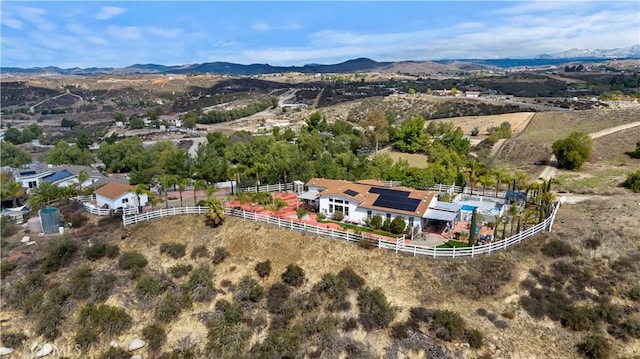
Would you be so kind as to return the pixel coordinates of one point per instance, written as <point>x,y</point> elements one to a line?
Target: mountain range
<point>355,65</point>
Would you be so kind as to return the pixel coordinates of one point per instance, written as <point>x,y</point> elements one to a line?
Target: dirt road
<point>550,171</point>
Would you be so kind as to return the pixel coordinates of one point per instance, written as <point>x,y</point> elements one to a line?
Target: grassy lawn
<point>453,244</point>
<point>576,182</point>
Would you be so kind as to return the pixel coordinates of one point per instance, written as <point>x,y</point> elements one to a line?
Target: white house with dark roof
<point>66,175</point>
<point>364,199</point>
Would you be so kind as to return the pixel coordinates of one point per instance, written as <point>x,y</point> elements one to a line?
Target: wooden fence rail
<point>397,245</point>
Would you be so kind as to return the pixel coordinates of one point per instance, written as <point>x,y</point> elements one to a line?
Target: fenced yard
<point>399,245</point>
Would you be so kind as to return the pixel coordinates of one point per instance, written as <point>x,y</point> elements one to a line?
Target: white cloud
<point>170,33</point>
<point>124,32</point>
<point>107,12</point>
<point>35,16</point>
<point>76,28</point>
<point>264,26</point>
<point>6,19</point>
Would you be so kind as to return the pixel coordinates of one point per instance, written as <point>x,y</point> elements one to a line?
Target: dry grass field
<point>414,159</point>
<point>518,121</point>
<point>548,127</point>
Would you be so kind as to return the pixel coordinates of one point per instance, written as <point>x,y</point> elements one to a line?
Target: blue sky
<point>118,34</point>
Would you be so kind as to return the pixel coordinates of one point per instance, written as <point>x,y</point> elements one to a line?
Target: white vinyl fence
<point>397,245</point>
<point>280,187</point>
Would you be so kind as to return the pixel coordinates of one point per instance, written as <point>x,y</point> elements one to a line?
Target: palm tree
<point>198,185</point>
<point>182,185</point>
<point>522,179</point>
<point>154,200</point>
<point>166,181</point>
<point>215,211</point>
<point>514,212</point>
<point>83,176</point>
<point>14,190</point>
<point>500,175</point>
<point>527,216</point>
<point>139,191</point>
<point>485,181</point>
<point>258,169</point>
<point>44,194</point>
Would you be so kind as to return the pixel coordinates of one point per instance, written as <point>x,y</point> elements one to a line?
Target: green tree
<point>83,176</point>
<point>198,185</point>
<point>411,136</point>
<point>572,151</point>
<point>166,181</point>
<point>12,156</point>
<point>472,227</point>
<point>83,141</point>
<point>63,153</point>
<point>119,117</point>
<point>190,119</point>
<point>135,122</point>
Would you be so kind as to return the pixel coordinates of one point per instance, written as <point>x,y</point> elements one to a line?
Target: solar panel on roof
<point>394,199</point>
<point>350,192</point>
<point>27,173</point>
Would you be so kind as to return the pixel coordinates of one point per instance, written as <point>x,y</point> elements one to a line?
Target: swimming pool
<point>469,208</point>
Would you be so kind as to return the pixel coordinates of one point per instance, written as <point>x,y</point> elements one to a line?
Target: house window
<point>388,216</point>
<point>125,200</point>
<point>346,211</point>
<point>369,214</point>
<point>410,222</point>
<point>33,184</point>
<point>330,199</point>
<point>339,201</point>
<point>330,208</point>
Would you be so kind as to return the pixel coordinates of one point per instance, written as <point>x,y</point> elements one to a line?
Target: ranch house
<point>361,200</point>
<point>115,195</point>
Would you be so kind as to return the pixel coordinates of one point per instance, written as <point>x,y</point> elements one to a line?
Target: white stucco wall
<point>117,202</point>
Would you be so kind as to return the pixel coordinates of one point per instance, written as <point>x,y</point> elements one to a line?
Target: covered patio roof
<point>440,215</point>
<point>310,196</point>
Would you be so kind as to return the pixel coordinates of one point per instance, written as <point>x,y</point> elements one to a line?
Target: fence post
<point>454,251</point>
<point>472,250</point>
<point>174,211</point>
<point>332,233</point>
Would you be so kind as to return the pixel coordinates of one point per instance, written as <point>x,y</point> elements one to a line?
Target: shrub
<point>633,293</point>
<point>510,314</point>
<point>277,294</point>
<point>155,335</point>
<point>6,267</point>
<point>148,285</point>
<point>115,353</point>
<point>263,268</point>
<point>77,219</point>
<point>173,249</point>
<point>226,340</point>
<point>102,287</point>
<point>474,338</point>
<point>199,252</point>
<point>594,346</point>
<point>168,309</point>
<point>349,324</point>
<point>100,250</point>
<point>332,286</point>
<point>293,275</point>
<point>132,261</point>
<point>81,283</point>
<point>59,254</point>
<point>501,324</point>
<point>481,312</point>
<point>400,331</point>
<point>106,319</point>
<point>376,221</point>
<point>7,227</point>
<point>249,290</point>
<point>337,216</point>
<point>180,270</point>
<point>49,320</point>
<point>219,255</point>
<point>27,293</point>
<point>351,278</point>
<point>13,339</point>
<point>398,225</point>
<point>200,284</point>
<point>85,337</point>
<point>492,317</point>
<point>557,248</point>
<point>448,325</point>
<point>375,310</point>
<point>633,181</point>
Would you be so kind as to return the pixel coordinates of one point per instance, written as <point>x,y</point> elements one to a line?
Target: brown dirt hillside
<point>459,286</point>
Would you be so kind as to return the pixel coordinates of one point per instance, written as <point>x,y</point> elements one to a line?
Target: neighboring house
<point>472,94</point>
<point>65,175</point>
<point>442,93</point>
<point>362,200</point>
<point>118,195</point>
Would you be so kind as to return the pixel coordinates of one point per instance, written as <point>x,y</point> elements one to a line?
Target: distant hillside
<point>631,52</point>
